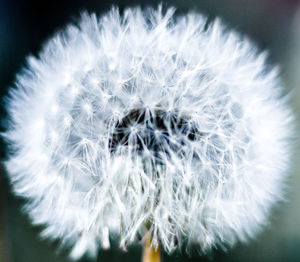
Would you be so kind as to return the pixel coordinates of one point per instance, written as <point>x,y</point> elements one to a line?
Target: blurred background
<point>273,24</point>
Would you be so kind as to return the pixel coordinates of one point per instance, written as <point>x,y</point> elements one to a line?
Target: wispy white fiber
<point>146,123</point>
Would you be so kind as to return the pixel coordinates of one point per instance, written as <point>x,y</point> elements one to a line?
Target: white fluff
<point>142,122</point>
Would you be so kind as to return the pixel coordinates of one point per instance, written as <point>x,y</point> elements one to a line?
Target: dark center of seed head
<point>155,130</point>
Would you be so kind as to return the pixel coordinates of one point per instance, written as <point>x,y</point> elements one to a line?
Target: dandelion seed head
<point>146,123</point>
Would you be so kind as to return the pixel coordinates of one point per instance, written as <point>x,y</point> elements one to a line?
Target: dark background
<point>273,24</point>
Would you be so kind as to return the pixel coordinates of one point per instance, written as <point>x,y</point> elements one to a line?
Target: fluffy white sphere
<point>145,123</point>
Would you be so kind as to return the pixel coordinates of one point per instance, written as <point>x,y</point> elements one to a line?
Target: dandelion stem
<point>151,253</point>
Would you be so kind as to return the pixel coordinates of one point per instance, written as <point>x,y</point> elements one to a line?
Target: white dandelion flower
<point>145,123</point>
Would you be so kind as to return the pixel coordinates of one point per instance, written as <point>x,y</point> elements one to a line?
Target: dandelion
<point>143,127</point>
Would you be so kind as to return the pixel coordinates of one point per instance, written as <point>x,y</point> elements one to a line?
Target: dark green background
<point>273,24</point>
